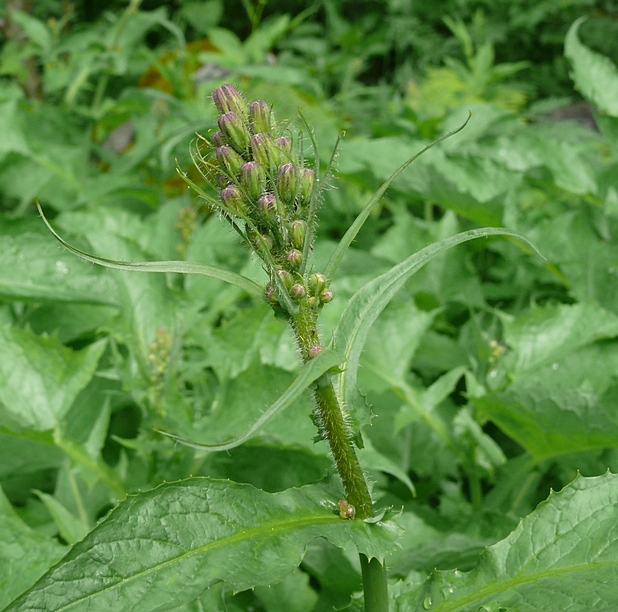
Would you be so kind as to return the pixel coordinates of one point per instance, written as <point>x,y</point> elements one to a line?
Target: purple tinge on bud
<point>267,205</point>
<point>233,199</point>
<point>229,160</point>
<point>297,291</point>
<point>253,179</point>
<point>222,180</point>
<point>227,98</point>
<point>326,296</point>
<point>271,294</point>
<point>284,146</point>
<point>218,139</point>
<point>262,119</point>
<point>306,179</point>
<point>314,351</point>
<point>298,231</point>
<point>286,278</point>
<point>294,258</point>
<point>287,183</point>
<point>261,146</point>
<point>235,131</point>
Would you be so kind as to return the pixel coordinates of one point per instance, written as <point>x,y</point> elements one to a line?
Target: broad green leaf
<point>25,555</point>
<point>40,378</point>
<point>548,422</point>
<point>164,547</point>
<point>33,268</point>
<point>547,334</point>
<point>367,304</point>
<point>308,374</point>
<point>180,267</point>
<point>595,75</point>
<point>70,528</point>
<point>563,556</point>
<point>27,451</point>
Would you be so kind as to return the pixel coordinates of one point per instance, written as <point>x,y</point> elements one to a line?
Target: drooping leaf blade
<point>179,267</point>
<point>164,547</point>
<point>308,374</point>
<point>563,555</point>
<point>368,302</point>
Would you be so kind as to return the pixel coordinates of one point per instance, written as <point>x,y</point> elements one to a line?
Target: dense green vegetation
<point>481,391</point>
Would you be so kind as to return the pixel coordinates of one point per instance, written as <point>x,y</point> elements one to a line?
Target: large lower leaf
<point>366,305</point>
<point>563,556</point>
<point>163,548</point>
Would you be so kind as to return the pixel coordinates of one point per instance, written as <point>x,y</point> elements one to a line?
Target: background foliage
<point>492,374</point>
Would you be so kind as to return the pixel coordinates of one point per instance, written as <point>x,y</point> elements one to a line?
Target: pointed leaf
<point>563,556</point>
<point>309,373</point>
<point>164,547</point>
<point>366,305</point>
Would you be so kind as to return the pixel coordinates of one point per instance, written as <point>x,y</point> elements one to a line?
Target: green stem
<point>374,585</point>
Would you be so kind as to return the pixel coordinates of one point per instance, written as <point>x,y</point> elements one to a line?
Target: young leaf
<point>164,547</point>
<point>368,302</point>
<point>563,556</point>
<point>309,373</point>
<point>180,267</point>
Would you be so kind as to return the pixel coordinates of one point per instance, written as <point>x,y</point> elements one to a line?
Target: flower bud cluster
<point>266,192</point>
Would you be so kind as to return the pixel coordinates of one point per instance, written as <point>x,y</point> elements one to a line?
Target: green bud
<point>306,179</point>
<point>261,146</point>
<point>316,283</point>
<point>229,160</point>
<point>235,131</point>
<point>227,98</point>
<point>233,199</point>
<point>218,139</point>
<point>326,296</point>
<point>297,291</point>
<point>287,183</point>
<point>267,205</point>
<point>294,258</point>
<point>262,118</point>
<point>260,242</point>
<point>286,278</point>
<point>271,295</point>
<point>284,149</point>
<point>253,179</point>
<point>298,231</point>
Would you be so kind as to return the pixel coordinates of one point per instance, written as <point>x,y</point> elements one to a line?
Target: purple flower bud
<point>286,278</point>
<point>222,180</point>
<point>229,160</point>
<point>298,231</point>
<point>261,146</point>
<point>314,351</point>
<point>218,139</point>
<point>235,131</point>
<point>267,205</point>
<point>233,199</point>
<point>316,283</point>
<point>294,258</point>
<point>306,179</point>
<point>284,145</point>
<point>297,291</point>
<point>271,294</point>
<point>227,98</point>
<point>253,179</point>
<point>262,119</point>
<point>326,296</point>
<point>287,183</point>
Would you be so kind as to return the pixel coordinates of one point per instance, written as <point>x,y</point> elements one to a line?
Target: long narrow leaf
<point>370,300</point>
<point>353,230</point>
<point>310,372</point>
<point>180,267</point>
<point>161,549</point>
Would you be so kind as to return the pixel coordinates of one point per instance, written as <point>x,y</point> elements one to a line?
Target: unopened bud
<point>298,231</point>
<point>297,291</point>
<point>233,199</point>
<point>284,149</point>
<point>316,283</point>
<point>253,179</point>
<point>326,296</point>
<point>227,98</point>
<point>235,131</point>
<point>271,294</point>
<point>287,182</point>
<point>314,351</point>
<point>306,180</point>
<point>286,278</point>
<point>229,160</point>
<point>262,119</point>
<point>261,146</point>
<point>294,258</point>
<point>267,205</point>
<point>218,139</point>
